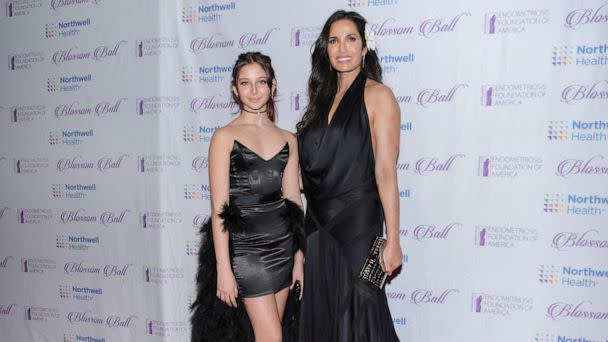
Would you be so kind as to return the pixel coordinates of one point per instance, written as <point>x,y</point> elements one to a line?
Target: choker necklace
<point>256,113</point>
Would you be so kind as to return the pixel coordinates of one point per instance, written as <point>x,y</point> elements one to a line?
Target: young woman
<point>256,218</point>
<point>348,144</point>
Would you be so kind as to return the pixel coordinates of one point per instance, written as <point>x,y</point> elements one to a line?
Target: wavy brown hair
<point>323,80</point>
<point>266,63</point>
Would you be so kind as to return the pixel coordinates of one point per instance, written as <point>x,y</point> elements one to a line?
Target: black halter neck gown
<point>343,216</point>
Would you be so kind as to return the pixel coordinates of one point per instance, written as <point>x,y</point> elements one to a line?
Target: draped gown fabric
<point>343,216</point>
<point>265,232</point>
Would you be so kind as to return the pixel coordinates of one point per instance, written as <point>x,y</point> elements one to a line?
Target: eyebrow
<point>349,34</point>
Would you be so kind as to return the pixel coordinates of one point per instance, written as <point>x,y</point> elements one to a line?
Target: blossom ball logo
<point>582,310</point>
<point>4,262</point>
<point>203,104</point>
<point>57,4</point>
<point>200,163</point>
<point>588,239</point>
<point>580,93</point>
<point>558,130</point>
<point>432,165</point>
<point>426,296</point>
<point>548,274</point>
<point>431,232</point>
<point>553,203</point>
<point>250,40</point>
<point>201,44</point>
<point>7,310</point>
<point>587,16</point>
<point>432,96</point>
<point>562,56</point>
<point>582,167</point>
<point>199,220</point>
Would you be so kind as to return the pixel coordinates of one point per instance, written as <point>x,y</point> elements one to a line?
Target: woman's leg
<point>281,300</point>
<point>264,316</point>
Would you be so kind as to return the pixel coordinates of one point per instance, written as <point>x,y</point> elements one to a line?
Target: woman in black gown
<point>250,255</point>
<point>348,142</point>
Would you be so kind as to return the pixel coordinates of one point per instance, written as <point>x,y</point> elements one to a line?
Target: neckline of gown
<point>286,145</point>
<point>358,78</point>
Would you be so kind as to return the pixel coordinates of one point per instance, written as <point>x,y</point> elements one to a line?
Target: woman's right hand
<point>227,290</point>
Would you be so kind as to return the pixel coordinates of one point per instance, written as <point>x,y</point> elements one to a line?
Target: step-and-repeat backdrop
<point>108,107</point>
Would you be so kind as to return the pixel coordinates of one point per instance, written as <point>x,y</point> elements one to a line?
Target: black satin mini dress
<point>261,237</point>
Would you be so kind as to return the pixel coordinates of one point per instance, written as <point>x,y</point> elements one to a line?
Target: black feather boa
<point>214,321</point>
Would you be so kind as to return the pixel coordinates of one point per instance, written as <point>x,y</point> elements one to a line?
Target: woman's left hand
<point>297,274</point>
<point>392,257</point>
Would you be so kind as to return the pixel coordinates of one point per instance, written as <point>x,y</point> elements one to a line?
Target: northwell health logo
<point>577,130</point>
<point>575,204</point>
<point>571,276</point>
<point>581,55</point>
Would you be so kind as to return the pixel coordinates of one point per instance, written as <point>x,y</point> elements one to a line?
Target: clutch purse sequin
<point>372,272</point>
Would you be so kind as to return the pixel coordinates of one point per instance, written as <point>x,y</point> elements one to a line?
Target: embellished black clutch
<point>372,272</point>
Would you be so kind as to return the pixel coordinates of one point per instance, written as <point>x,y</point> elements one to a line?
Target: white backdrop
<point>107,108</point>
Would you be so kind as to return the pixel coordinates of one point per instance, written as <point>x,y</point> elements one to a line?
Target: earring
<point>363,62</point>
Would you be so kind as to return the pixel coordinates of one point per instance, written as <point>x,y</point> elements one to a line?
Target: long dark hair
<point>323,80</point>
<point>265,62</point>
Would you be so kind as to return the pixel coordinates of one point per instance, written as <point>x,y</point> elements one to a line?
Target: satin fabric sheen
<point>262,253</point>
<point>343,216</point>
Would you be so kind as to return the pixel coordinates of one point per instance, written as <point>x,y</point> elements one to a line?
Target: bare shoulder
<point>223,137</point>
<point>289,136</point>
<point>378,92</point>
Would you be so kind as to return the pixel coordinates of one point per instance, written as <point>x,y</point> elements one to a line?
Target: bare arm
<point>291,191</point>
<point>219,181</point>
<point>291,175</point>
<point>386,119</point>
